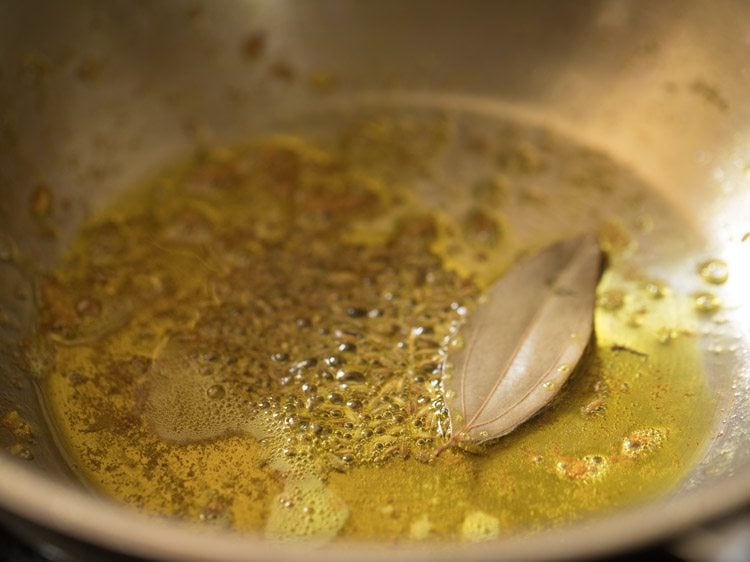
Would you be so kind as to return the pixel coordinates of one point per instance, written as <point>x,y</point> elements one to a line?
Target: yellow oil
<point>254,339</point>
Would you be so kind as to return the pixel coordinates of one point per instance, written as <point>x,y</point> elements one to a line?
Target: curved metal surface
<point>95,95</point>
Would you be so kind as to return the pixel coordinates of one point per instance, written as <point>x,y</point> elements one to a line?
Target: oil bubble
<point>347,347</point>
<point>704,301</point>
<point>667,335</point>
<point>714,271</point>
<point>335,398</point>
<point>656,289</point>
<point>216,392</point>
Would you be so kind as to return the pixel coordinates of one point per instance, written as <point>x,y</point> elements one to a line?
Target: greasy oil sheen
<point>256,339</point>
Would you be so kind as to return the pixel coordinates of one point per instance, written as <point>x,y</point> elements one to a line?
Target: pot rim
<point>98,521</point>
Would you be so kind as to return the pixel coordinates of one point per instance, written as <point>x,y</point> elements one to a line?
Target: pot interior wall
<point>94,96</point>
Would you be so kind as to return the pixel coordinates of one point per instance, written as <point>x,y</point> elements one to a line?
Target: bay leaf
<point>523,341</point>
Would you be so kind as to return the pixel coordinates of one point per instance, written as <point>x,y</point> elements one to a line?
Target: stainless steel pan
<point>93,95</point>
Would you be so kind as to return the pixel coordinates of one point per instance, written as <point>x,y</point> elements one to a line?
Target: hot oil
<point>257,338</point>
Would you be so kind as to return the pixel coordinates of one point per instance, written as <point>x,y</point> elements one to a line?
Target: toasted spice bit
<point>41,201</point>
<point>482,226</point>
<point>322,81</point>
<point>88,70</point>
<point>254,45</point>
<point>282,71</point>
<point>217,511</point>
<point>583,469</point>
<point>21,451</point>
<point>8,248</point>
<point>643,442</point>
<point>593,408</point>
<point>13,422</point>
<point>88,307</point>
<point>522,158</point>
<point>709,93</point>
<point>478,144</point>
<point>614,299</point>
<point>615,238</point>
<point>492,191</point>
<point>36,65</point>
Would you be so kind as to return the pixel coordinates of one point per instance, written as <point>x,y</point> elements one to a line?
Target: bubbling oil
<point>257,338</point>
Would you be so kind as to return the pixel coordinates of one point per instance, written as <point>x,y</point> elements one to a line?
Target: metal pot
<point>94,95</point>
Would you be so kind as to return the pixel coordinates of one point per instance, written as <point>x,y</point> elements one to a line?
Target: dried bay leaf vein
<point>524,340</point>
